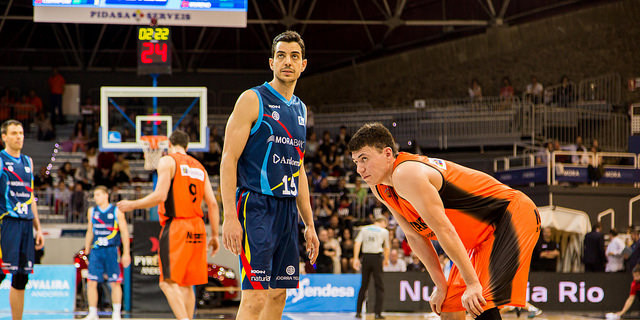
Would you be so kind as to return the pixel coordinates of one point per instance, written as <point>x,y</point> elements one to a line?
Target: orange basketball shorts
<point>501,261</point>
<point>183,251</point>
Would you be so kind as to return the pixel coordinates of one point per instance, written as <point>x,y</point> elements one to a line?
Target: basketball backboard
<point>128,113</point>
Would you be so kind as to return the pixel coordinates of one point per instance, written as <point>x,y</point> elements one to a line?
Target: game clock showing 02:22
<point>154,53</point>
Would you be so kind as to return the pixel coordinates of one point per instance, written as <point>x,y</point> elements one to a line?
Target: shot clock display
<point>154,50</point>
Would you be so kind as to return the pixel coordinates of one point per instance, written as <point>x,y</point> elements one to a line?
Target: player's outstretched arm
<point>244,115</point>
<point>627,305</point>
<point>213,213</point>
<point>166,166</point>
<point>413,182</point>
<point>303,201</point>
<point>124,235</point>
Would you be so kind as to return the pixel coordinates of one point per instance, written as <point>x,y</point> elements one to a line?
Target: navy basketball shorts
<point>17,245</point>
<point>103,265</point>
<point>269,258</point>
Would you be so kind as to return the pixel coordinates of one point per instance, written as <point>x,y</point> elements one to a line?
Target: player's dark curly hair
<point>287,36</point>
<point>372,134</point>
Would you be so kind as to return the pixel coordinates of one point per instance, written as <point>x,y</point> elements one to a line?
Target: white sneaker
<point>534,312</point>
<point>91,317</point>
<point>115,316</point>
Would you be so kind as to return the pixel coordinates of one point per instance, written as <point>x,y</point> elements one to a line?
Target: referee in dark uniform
<point>374,242</point>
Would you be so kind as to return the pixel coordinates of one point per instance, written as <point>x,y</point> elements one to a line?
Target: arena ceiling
<point>336,32</point>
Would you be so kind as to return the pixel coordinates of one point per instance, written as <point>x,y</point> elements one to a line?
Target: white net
<point>154,147</point>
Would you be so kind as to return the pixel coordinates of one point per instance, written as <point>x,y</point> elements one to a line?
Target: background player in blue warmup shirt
<point>264,184</point>
<point>18,214</point>
<point>107,225</point>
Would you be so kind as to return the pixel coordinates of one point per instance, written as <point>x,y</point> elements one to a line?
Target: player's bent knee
<point>491,314</point>
<point>19,281</point>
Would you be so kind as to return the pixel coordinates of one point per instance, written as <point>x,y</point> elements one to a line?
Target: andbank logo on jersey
<point>316,291</point>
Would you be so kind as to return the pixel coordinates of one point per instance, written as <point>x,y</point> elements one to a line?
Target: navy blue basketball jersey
<point>16,186</point>
<point>270,162</point>
<point>105,227</point>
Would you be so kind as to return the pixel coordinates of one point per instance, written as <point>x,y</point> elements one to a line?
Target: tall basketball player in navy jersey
<point>263,184</point>
<point>18,214</point>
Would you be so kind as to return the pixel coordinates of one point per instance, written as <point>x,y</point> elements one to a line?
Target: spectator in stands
<point>79,137</point>
<point>546,253</point>
<point>564,96</point>
<point>534,90</point>
<point>65,174</point>
<point>92,156</point>
<point>593,256</point>
<point>35,101</point>
<point>61,198</point>
<point>335,224</point>
<point>580,155</point>
<point>345,210</point>
<point>120,171</point>
<point>324,209</point>
<point>475,90</point>
<point>340,187</point>
<point>396,264</point>
<point>342,139</point>
<point>78,201</point>
<point>615,258</point>
<point>212,158</point>
<point>326,142</point>
<point>506,92</point>
<point>415,265</point>
<point>45,128</point>
<point>337,250</point>
<point>43,179</point>
<point>84,175</point>
<point>105,161</point>
<point>542,158</point>
<point>324,262</point>
<point>311,148</point>
<point>595,146</point>
<point>332,161</point>
<point>92,139</point>
<point>360,193</point>
<point>323,186</point>
<point>634,257</point>
<point>346,245</point>
<point>56,89</point>
<point>102,177</point>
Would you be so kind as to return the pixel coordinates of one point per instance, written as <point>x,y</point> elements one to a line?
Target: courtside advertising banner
<point>410,291</point>
<point>324,292</point>
<point>145,271</point>
<point>50,288</point>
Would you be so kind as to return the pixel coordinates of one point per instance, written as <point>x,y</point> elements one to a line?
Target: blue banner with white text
<point>50,288</point>
<point>324,292</point>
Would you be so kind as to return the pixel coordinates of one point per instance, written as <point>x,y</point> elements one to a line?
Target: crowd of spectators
<point>561,95</point>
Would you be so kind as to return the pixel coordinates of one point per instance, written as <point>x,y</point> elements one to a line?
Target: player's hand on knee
<point>437,298</point>
<point>213,245</point>
<point>232,235</point>
<point>472,299</point>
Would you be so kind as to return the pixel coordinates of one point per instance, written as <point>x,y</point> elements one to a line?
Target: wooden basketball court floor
<point>310,316</point>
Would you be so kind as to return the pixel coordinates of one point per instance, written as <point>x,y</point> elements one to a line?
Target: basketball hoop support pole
<point>154,78</point>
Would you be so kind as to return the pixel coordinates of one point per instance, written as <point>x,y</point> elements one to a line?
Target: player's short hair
<point>179,138</point>
<point>101,188</point>
<point>10,122</point>
<point>372,134</point>
<point>287,36</point>
<point>636,269</point>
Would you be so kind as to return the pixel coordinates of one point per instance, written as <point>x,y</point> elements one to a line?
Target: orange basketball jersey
<point>473,200</point>
<point>187,189</point>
